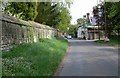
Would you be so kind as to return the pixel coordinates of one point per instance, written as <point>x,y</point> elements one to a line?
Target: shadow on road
<point>76,42</point>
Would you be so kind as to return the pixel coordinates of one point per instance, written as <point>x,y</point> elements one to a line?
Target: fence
<point>16,31</point>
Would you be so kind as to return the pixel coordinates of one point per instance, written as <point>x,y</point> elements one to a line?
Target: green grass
<point>111,42</point>
<point>34,59</point>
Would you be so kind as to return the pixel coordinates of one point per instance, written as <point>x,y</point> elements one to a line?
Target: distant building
<point>82,32</point>
<point>89,30</point>
<point>93,21</point>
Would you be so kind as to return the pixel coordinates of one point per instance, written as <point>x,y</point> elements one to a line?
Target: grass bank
<point>111,42</point>
<point>34,59</point>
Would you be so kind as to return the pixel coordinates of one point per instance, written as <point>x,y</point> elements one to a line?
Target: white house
<point>82,32</point>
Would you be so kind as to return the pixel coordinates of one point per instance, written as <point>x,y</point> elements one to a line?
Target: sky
<point>80,8</point>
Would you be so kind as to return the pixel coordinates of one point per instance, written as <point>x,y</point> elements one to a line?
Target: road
<point>86,58</point>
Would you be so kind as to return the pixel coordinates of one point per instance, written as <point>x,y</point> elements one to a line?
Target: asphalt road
<point>86,58</point>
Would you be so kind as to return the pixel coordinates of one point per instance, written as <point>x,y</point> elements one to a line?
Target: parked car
<point>69,37</point>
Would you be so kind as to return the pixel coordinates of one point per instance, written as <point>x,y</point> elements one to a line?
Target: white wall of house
<point>79,33</point>
<point>82,32</point>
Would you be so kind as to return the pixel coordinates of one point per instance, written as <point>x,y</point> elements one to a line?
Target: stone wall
<point>16,31</point>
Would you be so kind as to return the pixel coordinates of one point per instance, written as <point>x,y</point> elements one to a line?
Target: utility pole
<point>99,7</point>
<point>98,19</point>
<point>105,21</point>
<point>99,16</point>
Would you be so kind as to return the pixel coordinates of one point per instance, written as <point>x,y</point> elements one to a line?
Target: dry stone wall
<point>16,31</point>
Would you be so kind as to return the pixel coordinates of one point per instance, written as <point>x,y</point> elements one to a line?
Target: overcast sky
<point>80,8</point>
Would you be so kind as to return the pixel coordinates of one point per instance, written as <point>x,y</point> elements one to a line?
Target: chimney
<point>88,18</point>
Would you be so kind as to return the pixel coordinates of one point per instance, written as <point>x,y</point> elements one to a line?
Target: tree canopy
<point>23,10</point>
<point>72,30</point>
<point>65,18</point>
<point>81,21</point>
<point>51,13</point>
<point>47,13</point>
<point>112,17</point>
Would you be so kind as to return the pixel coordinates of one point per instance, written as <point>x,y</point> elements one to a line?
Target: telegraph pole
<point>105,20</point>
<point>99,16</point>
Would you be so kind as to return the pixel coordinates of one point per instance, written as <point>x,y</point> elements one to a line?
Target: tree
<point>69,2</point>
<point>48,13</point>
<point>23,10</point>
<point>73,30</point>
<point>64,19</point>
<point>112,11</point>
<point>54,14</point>
<point>115,14</point>
<point>81,21</point>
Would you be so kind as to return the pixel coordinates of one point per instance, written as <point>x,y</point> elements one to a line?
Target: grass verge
<point>34,59</point>
<point>111,42</point>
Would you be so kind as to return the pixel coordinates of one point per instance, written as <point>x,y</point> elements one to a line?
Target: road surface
<point>86,58</point>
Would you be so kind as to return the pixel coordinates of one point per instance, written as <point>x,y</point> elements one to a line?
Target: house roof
<point>92,27</point>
